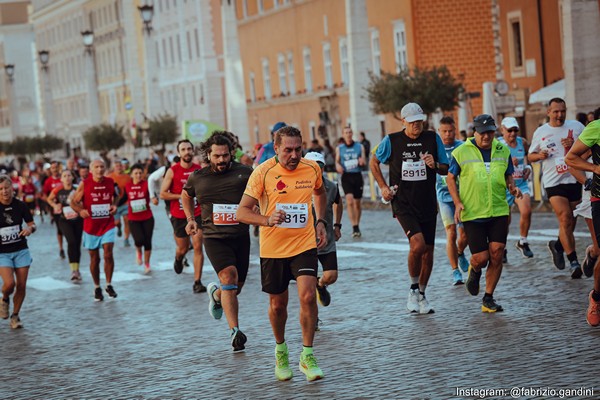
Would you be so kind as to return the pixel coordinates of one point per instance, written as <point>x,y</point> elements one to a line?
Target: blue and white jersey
<point>349,156</point>
<point>441,188</point>
<point>518,153</point>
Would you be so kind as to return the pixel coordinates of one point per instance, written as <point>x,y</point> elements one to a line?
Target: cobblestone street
<point>157,339</point>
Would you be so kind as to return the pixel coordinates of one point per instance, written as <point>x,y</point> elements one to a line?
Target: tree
<point>45,144</point>
<point>431,88</point>
<point>104,138</point>
<point>163,130</point>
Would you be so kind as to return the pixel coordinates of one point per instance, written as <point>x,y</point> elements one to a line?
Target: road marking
<point>378,246</point>
<point>348,253</point>
<point>47,283</point>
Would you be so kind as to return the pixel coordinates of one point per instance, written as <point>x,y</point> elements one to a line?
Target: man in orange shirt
<point>121,179</point>
<point>284,187</point>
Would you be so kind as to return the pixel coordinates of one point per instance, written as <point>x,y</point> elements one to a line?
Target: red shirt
<point>139,201</point>
<point>180,177</point>
<point>97,199</point>
<point>50,184</point>
<point>29,192</point>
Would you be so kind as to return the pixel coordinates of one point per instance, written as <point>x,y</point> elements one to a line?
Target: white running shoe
<point>413,300</point>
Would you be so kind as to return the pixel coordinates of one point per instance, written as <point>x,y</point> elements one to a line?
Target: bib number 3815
<point>296,214</point>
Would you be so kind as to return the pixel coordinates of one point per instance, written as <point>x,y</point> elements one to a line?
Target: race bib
<point>351,164</point>
<point>29,198</point>
<point>559,164</point>
<point>100,210</point>
<point>296,214</point>
<point>69,213</point>
<point>138,205</point>
<point>414,171</point>
<point>9,234</point>
<point>518,173</point>
<point>181,204</point>
<point>225,214</point>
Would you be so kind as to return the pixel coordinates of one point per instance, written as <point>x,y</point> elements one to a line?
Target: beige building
<point>19,100</point>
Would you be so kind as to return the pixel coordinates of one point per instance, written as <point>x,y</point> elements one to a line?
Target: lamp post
<point>9,69</point>
<point>147,13</point>
<point>44,56</point>
<point>90,72</point>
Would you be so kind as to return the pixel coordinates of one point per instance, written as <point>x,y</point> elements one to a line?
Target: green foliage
<point>104,137</point>
<point>23,146</point>
<point>163,130</point>
<point>430,88</point>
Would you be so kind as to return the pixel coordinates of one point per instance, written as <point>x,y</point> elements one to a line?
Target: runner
<point>52,181</point>
<point>15,258</point>
<point>550,144</point>
<point>328,255</point>
<point>29,190</point>
<point>70,223</point>
<point>95,201</point>
<point>121,178</point>
<point>284,187</point>
<point>576,158</point>
<point>414,157</point>
<point>455,246</point>
<point>141,220</point>
<point>485,168</point>
<point>349,160</point>
<point>518,151</point>
<point>170,190</point>
<point>218,189</point>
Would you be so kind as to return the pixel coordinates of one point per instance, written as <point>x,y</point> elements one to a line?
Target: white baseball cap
<point>315,156</point>
<point>510,122</point>
<point>412,112</point>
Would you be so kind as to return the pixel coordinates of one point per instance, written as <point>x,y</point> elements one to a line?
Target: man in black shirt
<point>219,189</point>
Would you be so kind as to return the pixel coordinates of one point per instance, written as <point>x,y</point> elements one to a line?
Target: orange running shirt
<point>121,180</point>
<point>274,186</point>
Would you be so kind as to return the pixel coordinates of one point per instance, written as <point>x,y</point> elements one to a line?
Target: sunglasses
<point>513,130</point>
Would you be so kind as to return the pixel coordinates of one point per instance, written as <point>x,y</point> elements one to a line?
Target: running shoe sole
<point>557,258</point>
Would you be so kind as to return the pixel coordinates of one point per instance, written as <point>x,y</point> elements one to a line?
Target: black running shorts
<point>224,253</point>
<point>179,225</point>
<point>276,273</point>
<point>481,234</point>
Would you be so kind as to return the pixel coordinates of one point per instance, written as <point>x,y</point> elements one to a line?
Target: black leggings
<point>142,232</point>
<point>72,230</point>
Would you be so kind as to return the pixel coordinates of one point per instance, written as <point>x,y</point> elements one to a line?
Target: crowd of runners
<point>214,193</point>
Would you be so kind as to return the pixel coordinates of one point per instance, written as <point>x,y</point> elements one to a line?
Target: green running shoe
<point>308,366</point>
<point>283,372</point>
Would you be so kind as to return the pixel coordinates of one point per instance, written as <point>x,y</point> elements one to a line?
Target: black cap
<point>484,123</point>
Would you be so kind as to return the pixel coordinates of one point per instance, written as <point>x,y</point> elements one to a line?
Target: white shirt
<point>548,138</point>
<point>154,181</point>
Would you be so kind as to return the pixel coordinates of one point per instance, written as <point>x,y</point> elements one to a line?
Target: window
<point>189,45</point>
<point>345,66</point>
<point>197,43</point>
<point>328,65</point>
<point>261,7</point>
<point>172,49</point>
<point>307,70</point>
<point>376,52</point>
<point>157,48</point>
<point>245,8</point>
<point>515,44</point>
<point>252,87</point>
<point>194,98</point>
<point>281,71</point>
<point>179,48</point>
<point>400,46</point>
<point>164,46</point>
<point>266,78</point>
<point>291,73</point>
<point>183,96</point>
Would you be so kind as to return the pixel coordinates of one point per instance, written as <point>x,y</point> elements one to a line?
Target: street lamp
<point>10,71</point>
<point>49,102</point>
<point>88,40</point>
<point>44,58</point>
<point>147,12</point>
<point>93,103</point>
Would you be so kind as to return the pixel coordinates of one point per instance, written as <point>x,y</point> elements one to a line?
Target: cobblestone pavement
<point>157,340</point>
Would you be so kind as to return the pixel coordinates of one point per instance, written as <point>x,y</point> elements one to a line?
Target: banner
<point>197,130</point>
